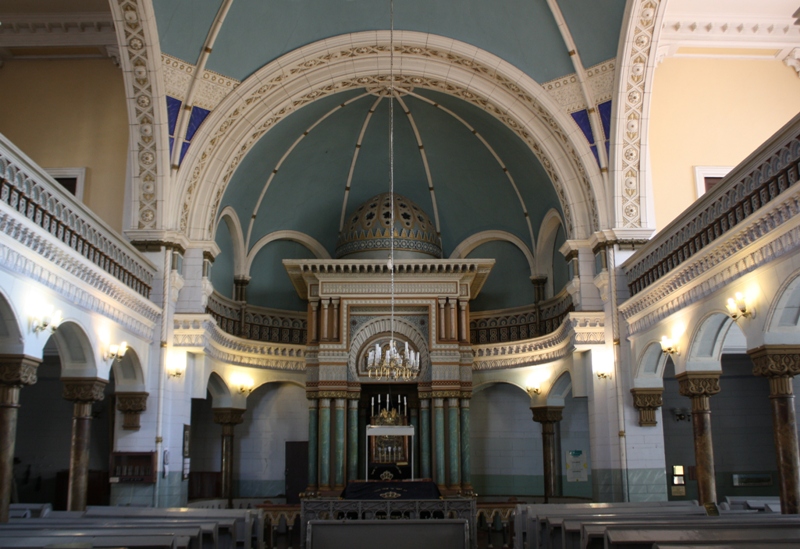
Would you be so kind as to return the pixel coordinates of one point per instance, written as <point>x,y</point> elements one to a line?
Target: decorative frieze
<point>647,401</point>
<point>212,87</point>
<point>83,389</point>
<point>131,405</point>
<point>18,370</point>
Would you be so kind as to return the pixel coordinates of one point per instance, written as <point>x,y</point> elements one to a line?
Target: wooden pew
<point>591,533</point>
<point>388,534</point>
<point>761,545</point>
<point>524,519</point>
<point>146,541</point>
<point>643,537</point>
<point>37,510</point>
<point>210,530</point>
<point>190,536</point>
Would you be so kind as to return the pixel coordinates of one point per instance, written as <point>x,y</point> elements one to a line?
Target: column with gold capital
<point>83,392</point>
<point>548,416</point>
<point>16,371</point>
<point>228,418</point>
<point>700,386</point>
<point>780,363</point>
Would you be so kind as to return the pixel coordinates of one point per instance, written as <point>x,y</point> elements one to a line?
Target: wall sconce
<point>737,307</point>
<point>603,375</point>
<point>176,371</point>
<point>50,319</point>
<point>244,384</point>
<point>535,390</point>
<point>116,352</point>
<point>681,414</point>
<point>669,346</point>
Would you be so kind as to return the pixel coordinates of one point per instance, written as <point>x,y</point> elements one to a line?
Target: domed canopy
<point>366,233</point>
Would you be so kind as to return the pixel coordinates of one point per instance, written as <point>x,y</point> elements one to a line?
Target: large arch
<point>363,59</point>
<point>11,339</point>
<point>381,326</point>
<point>75,350</point>
<point>469,244</point>
<point>312,244</point>
<point>128,374</point>
<point>241,263</point>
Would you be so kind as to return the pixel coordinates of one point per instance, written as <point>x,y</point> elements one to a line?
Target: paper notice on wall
<point>577,469</point>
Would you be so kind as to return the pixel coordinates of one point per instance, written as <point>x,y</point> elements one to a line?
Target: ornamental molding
<point>547,414</point>
<point>584,328</point>
<point>131,405</point>
<point>776,360</point>
<point>228,416</point>
<point>635,77</point>
<point>326,68</point>
<point>762,239</point>
<point>82,390</point>
<point>716,31</point>
<point>18,370</point>
<point>698,384</point>
<point>57,29</point>
<point>200,332</point>
<point>211,89</point>
<point>71,276</point>
<point>385,288</point>
<point>568,93</point>
<point>138,41</point>
<point>647,401</point>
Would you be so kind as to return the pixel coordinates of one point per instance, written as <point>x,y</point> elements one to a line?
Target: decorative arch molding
<point>630,126</point>
<point>545,244</point>
<point>312,244</point>
<point>708,338</point>
<point>11,340</point>
<point>128,373</point>
<point>220,392</point>
<point>75,350</point>
<point>784,311</point>
<point>383,325</point>
<point>137,36</point>
<point>363,59</point>
<point>651,366</point>
<point>469,244</point>
<point>241,264</point>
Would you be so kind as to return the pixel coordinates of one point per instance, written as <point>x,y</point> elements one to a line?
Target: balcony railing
<point>752,185</point>
<point>34,195</point>
<point>257,323</point>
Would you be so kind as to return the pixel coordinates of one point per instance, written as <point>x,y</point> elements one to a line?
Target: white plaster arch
<point>128,373</point>
<point>75,350</point>
<point>560,389</point>
<point>650,366</point>
<point>545,242</point>
<point>360,59</point>
<point>489,382</point>
<point>312,244</point>
<point>221,396</point>
<point>704,349</point>
<point>380,327</point>
<point>11,338</point>
<point>471,242</point>
<point>784,312</point>
<point>240,262</point>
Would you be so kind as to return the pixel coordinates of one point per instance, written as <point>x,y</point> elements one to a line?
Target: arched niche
<point>379,329</point>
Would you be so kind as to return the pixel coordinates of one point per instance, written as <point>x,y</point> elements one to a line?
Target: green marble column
<point>414,415</point>
<point>313,448</point>
<point>438,427</point>
<point>352,439</point>
<point>338,443</point>
<point>425,438</point>
<point>453,438</point>
<point>325,444</point>
<point>466,472</point>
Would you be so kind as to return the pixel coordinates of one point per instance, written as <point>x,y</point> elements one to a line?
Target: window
<point>705,177</point>
<point>70,178</point>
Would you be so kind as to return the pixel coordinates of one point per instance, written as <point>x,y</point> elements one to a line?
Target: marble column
<point>454,443</point>
<point>340,405</point>
<point>352,439</point>
<point>438,428</point>
<point>647,401</point>
<point>700,386</point>
<point>548,416</point>
<point>16,371</point>
<point>83,392</point>
<point>466,470</point>
<point>228,418</point>
<point>131,405</point>
<point>780,363</point>
<point>424,438</point>
<point>313,429</point>
<point>324,444</point>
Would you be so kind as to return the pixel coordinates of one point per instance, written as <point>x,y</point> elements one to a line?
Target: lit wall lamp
<point>669,346</point>
<point>244,384</point>
<point>176,370</point>
<point>535,390</point>
<point>737,307</point>
<point>116,352</point>
<point>603,375</point>
<point>50,319</point>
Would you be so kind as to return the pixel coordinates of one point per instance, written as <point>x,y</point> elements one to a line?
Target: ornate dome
<point>367,230</point>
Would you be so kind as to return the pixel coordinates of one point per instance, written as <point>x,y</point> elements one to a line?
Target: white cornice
<point>57,29</point>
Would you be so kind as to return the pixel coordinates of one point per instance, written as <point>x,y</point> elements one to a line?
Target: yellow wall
<point>712,112</point>
<point>68,114</point>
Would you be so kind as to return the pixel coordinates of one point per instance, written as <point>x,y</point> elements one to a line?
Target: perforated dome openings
<point>366,232</point>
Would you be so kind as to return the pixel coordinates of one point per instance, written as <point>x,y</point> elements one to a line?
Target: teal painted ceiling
<point>474,161</point>
<point>522,32</point>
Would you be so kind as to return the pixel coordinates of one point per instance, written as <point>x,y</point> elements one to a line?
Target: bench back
<point>388,534</point>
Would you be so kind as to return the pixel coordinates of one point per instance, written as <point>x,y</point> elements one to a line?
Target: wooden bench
<point>525,515</point>
<point>591,534</point>
<point>643,537</point>
<point>191,535</point>
<point>146,541</point>
<point>37,510</point>
<point>388,534</point>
